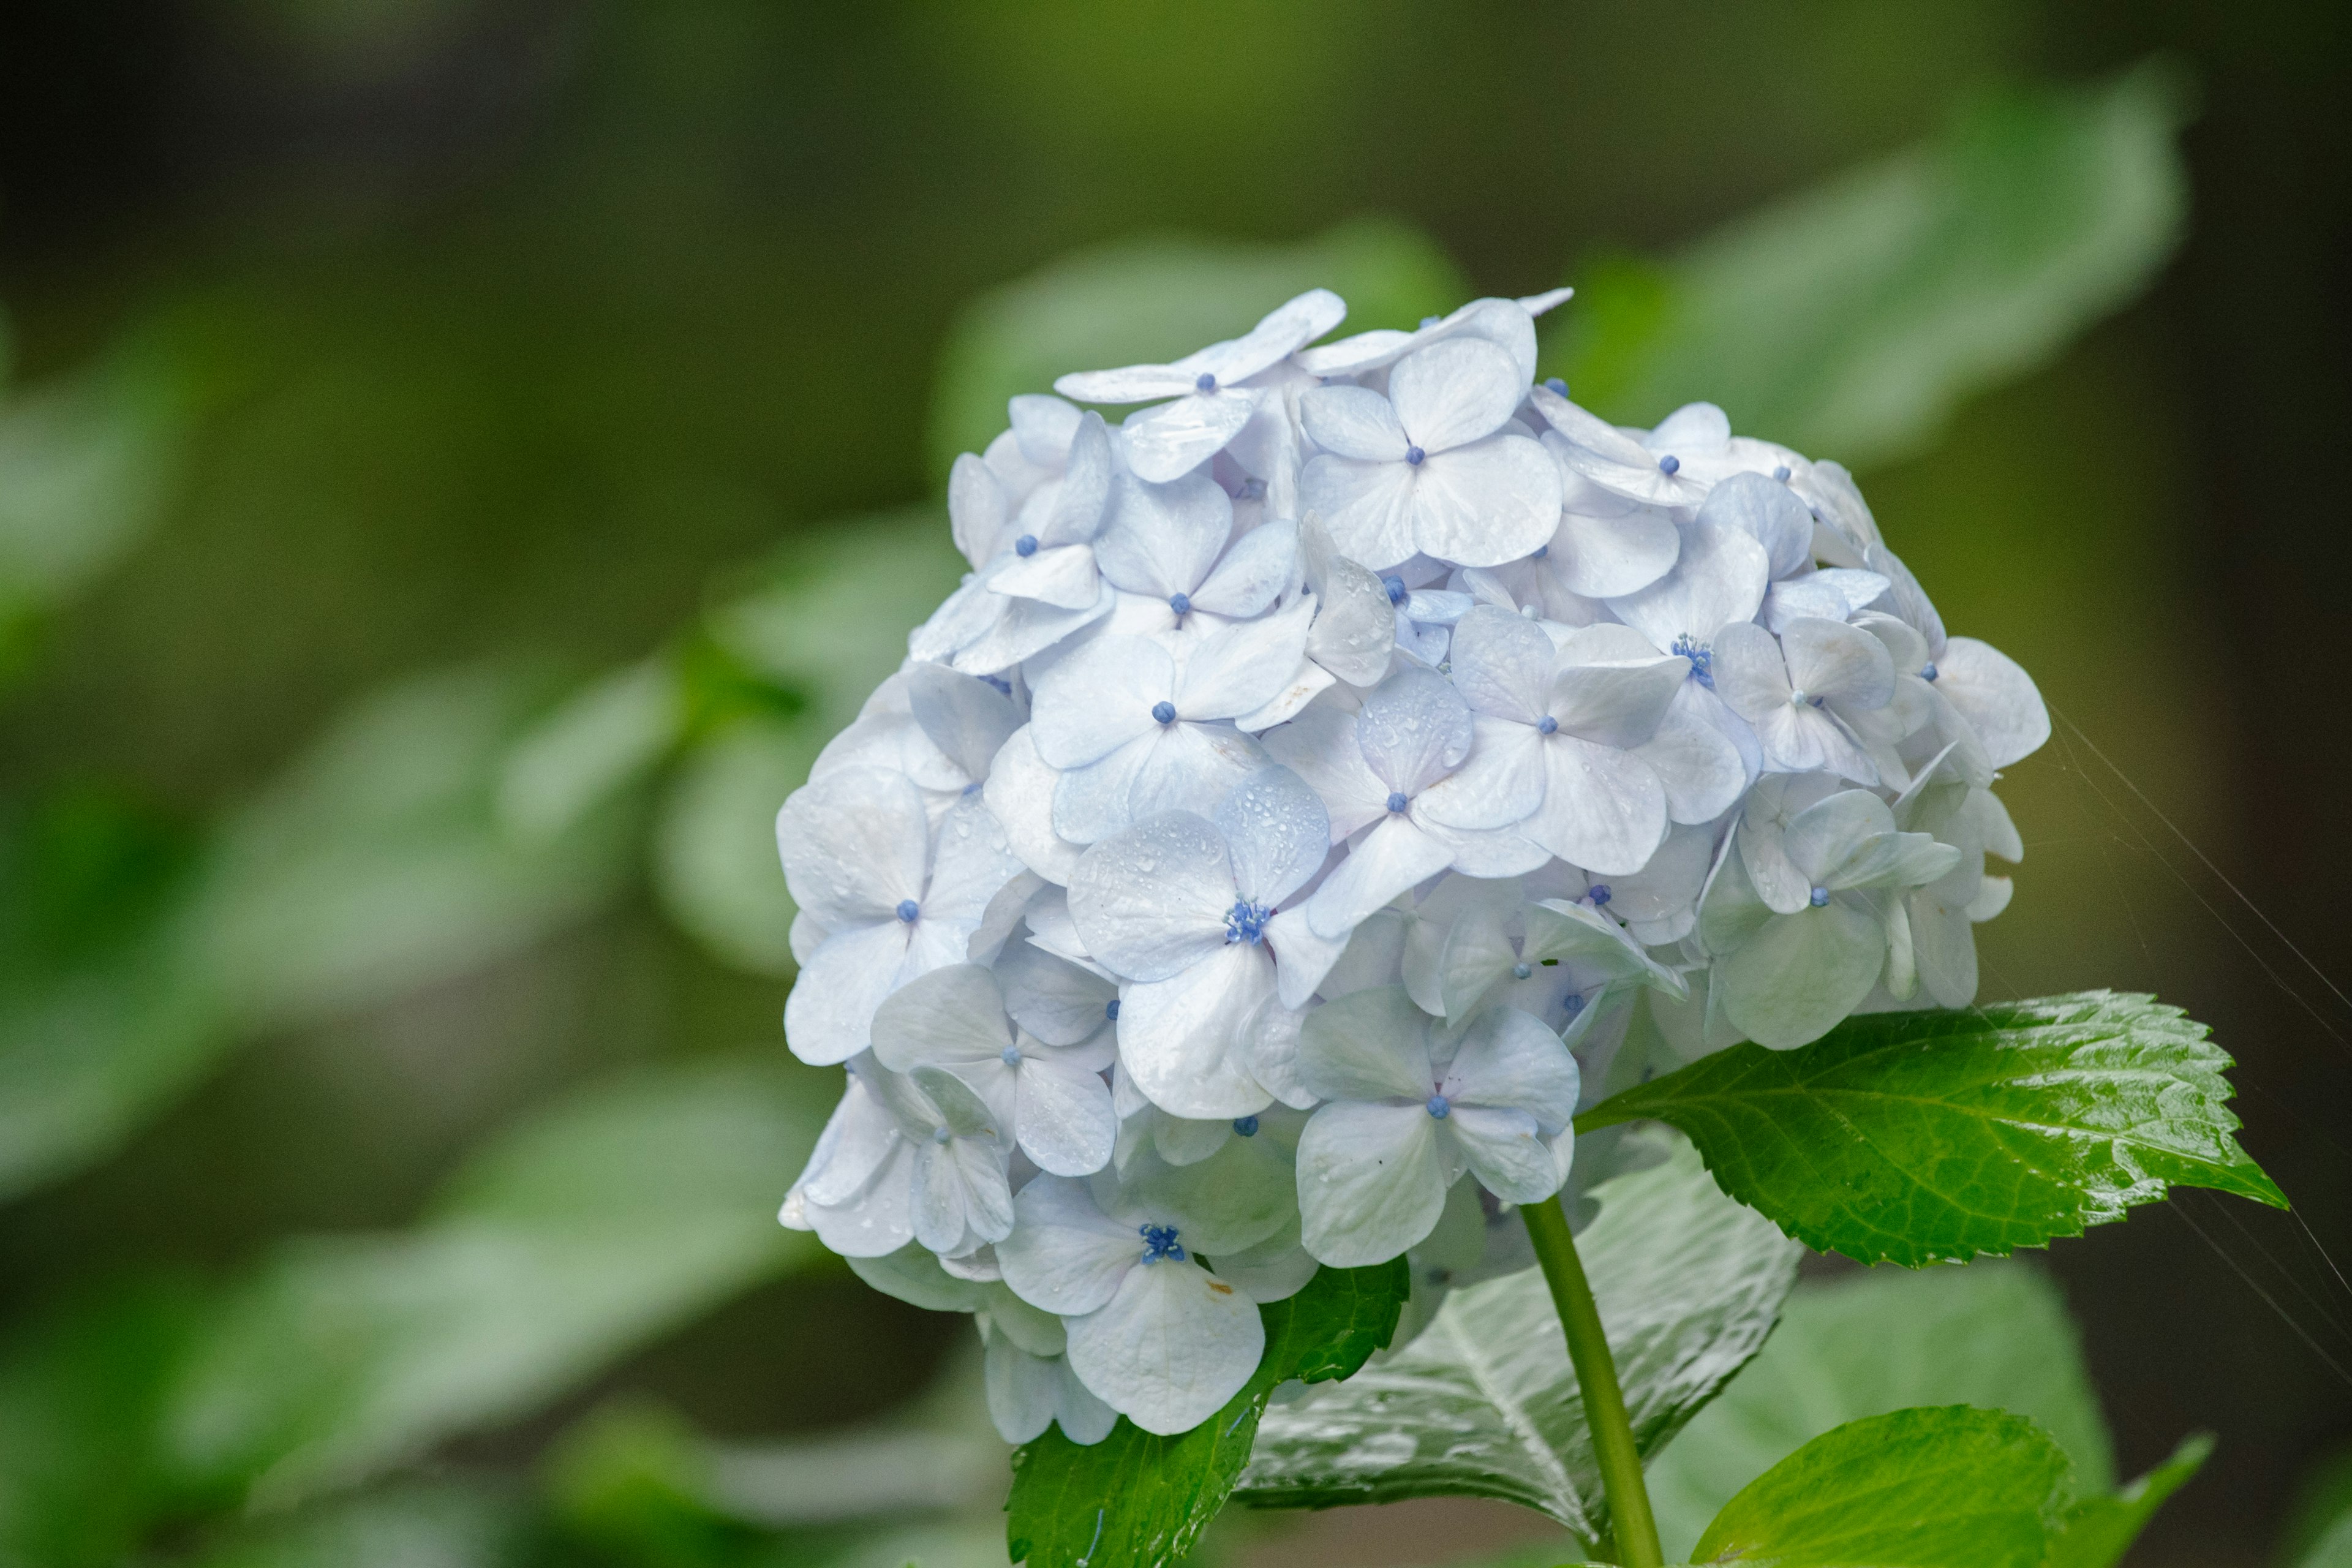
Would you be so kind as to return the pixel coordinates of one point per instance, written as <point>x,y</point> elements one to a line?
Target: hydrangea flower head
<point>1319,775</point>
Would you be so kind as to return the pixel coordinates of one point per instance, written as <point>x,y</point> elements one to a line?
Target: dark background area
<point>517,324</point>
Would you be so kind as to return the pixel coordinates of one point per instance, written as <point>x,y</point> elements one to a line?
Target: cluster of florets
<point>1325,779</point>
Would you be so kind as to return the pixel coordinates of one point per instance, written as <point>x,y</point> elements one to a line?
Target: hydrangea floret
<point>1328,777</point>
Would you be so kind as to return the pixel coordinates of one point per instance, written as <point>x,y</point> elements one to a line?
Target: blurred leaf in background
<point>1850,320</point>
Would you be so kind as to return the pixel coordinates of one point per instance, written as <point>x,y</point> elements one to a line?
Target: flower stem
<point>1596,1375</point>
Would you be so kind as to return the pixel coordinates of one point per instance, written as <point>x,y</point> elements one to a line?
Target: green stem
<point>1596,1375</point>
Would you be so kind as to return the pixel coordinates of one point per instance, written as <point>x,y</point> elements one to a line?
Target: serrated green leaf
<point>1154,300</point>
<point>1138,1500</point>
<point>1850,320</point>
<point>1917,1137</point>
<point>1946,1487</point>
<point>590,1229</point>
<point>1994,1334</point>
<point>1485,1403</point>
<point>2097,1532</point>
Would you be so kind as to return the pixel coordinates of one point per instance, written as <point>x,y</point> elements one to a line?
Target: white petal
<point>1025,629</point>
<point>1831,659</point>
<point>1085,492</point>
<point>913,1275</point>
<point>1164,538</point>
<point>1170,441</point>
<point>1602,557</point>
<point>1276,834</point>
<point>971,863</point>
<point>1057,1000</point>
<point>950,1017</point>
<point>1502,663</point>
<point>980,513</point>
<point>1258,566</point>
<point>1792,982</point>
<point>1302,960</point>
<point>1020,795</point>
<point>1021,1390</point>
<point>1320,746</point>
<point>1718,578</point>
<point>1185,1039</point>
<point>1748,672</point>
<point>1307,681</point>
<point>1129,383</point>
<point>1396,856</point>
<point>1098,698</point>
<point>1486,503</point>
<point>1768,512</point>
<point>1614,704</point>
<point>1510,1060</point>
<point>1085,1419</point>
<point>1369,1045</point>
<point>1151,902</point>
<point>1501,783</point>
<point>1696,427</point>
<point>1064,1254</point>
<point>1063,577</point>
<point>1823,836</point>
<point>1507,1151</point>
<point>852,845</point>
<point>1044,427</point>
<point>1454,392</point>
<point>1063,1117</point>
<point>1413,729</point>
<point>1243,666</point>
<point>1274,1270</point>
<point>1094,802</point>
<point>877,1221</point>
<point>858,1138</point>
<point>1279,333</point>
<point>830,1012</point>
<point>1944,946</point>
<point>1355,627</point>
<point>1368,507</point>
<point>1191,767</point>
<point>1604,809</point>
<point>1491,853</point>
<point>1699,769</point>
<point>1170,1348</point>
<point>1998,699</point>
<point>1353,422</point>
<point>1370,1183</point>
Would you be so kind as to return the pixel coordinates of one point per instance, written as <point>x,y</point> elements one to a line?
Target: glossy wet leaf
<point>1916,1138</point>
<point>1849,320</point>
<point>1141,1500</point>
<point>1485,1403</point>
<point>1944,1486</point>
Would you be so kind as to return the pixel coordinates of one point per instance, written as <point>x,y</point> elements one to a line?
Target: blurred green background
<point>456,469</point>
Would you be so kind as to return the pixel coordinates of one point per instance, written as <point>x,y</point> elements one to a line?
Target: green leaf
<point>2333,1548</point>
<point>1993,1334</point>
<point>589,1229</point>
<point>830,620</point>
<point>1948,1487</point>
<point>715,865</point>
<point>1485,1403</point>
<point>594,745</point>
<point>2097,1532</point>
<point>380,861</point>
<point>1138,1500</point>
<point>1916,1138</point>
<point>86,464</point>
<point>1850,320</point>
<point>444,1524</point>
<point>80,1388</point>
<point>1156,300</point>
